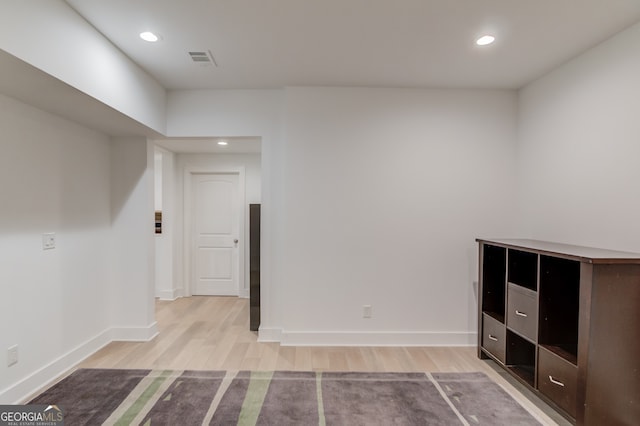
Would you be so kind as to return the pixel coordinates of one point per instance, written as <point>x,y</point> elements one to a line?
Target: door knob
<point>235,241</point>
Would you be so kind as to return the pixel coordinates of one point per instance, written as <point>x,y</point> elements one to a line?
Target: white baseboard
<point>361,338</point>
<point>170,295</point>
<point>244,293</point>
<point>20,392</point>
<point>134,334</point>
<point>266,334</point>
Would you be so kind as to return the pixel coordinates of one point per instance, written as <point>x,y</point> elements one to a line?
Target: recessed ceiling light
<point>222,143</point>
<point>149,36</point>
<point>485,40</point>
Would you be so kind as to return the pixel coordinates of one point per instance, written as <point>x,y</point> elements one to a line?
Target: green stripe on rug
<point>256,392</point>
<point>137,406</point>
<point>321,420</point>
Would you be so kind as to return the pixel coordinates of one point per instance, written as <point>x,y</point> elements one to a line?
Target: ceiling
<point>387,43</point>
<point>235,145</point>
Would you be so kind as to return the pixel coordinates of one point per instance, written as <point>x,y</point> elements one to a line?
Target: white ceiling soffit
<point>28,84</point>
<point>235,145</point>
<point>399,43</point>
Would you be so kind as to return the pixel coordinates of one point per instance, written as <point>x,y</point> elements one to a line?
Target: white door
<point>215,234</point>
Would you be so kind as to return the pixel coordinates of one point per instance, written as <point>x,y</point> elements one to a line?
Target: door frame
<point>189,171</point>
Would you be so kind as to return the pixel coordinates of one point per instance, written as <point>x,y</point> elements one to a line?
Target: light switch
<point>48,241</point>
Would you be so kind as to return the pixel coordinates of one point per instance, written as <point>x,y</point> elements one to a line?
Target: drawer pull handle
<point>555,382</point>
<point>491,337</point>
<point>522,314</point>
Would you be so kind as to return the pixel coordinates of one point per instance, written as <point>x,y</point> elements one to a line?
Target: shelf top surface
<point>584,254</point>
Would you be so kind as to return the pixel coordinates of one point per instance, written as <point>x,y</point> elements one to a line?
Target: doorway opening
<point>207,188</point>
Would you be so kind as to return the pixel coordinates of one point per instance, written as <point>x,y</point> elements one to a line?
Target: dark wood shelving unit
<point>564,320</point>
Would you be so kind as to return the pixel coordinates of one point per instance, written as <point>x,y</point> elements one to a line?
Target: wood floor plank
<point>355,360</point>
<point>286,358</point>
<point>338,360</point>
<point>421,359</point>
<point>303,359</point>
<point>268,356</point>
<point>236,356</point>
<point>320,358</point>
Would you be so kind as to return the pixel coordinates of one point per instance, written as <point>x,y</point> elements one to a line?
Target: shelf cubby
<point>559,306</point>
<point>523,269</point>
<point>494,284</point>
<point>521,357</point>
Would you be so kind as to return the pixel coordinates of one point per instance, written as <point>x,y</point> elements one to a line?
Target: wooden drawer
<point>494,337</point>
<point>558,380</point>
<point>522,311</point>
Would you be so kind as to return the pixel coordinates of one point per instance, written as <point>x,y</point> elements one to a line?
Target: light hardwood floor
<point>212,333</point>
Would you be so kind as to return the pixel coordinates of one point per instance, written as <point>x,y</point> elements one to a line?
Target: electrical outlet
<point>12,355</point>
<point>48,241</point>
<point>366,311</point>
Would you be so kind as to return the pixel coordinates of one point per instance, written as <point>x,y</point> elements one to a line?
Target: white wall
<point>157,180</point>
<point>51,36</point>
<point>386,190</point>
<point>252,169</point>
<point>375,197</point>
<point>54,177</point>
<point>164,200</point>
<point>579,148</point>
<point>133,245</point>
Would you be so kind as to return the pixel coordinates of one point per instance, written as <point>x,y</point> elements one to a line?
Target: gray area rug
<point>156,397</point>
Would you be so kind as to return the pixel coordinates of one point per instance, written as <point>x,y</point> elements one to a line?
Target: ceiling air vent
<point>203,58</point>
